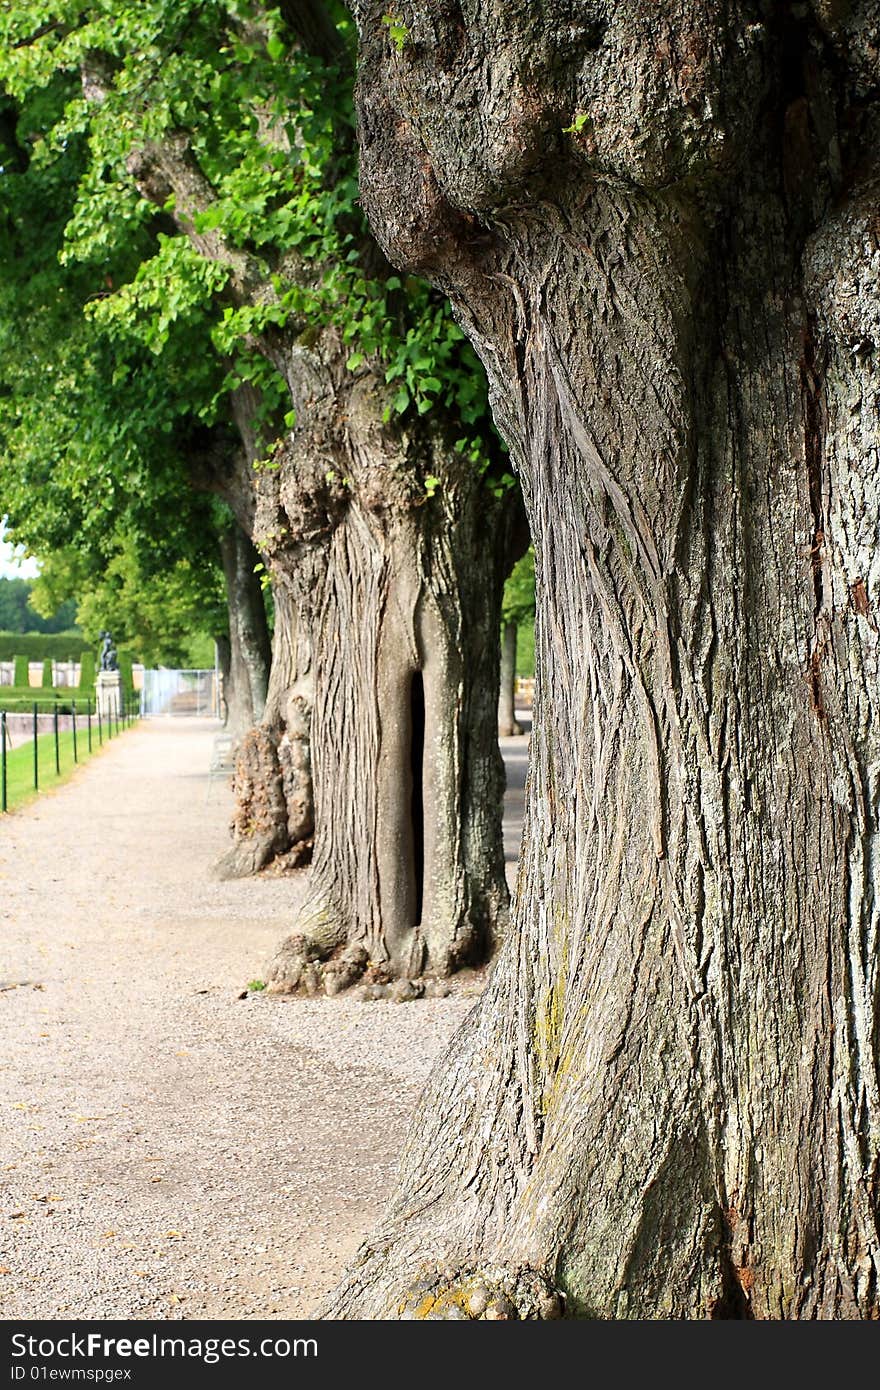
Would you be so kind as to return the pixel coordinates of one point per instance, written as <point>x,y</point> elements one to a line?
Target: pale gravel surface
<point>167,1149</point>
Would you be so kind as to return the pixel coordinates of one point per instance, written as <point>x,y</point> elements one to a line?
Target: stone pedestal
<point>108,694</point>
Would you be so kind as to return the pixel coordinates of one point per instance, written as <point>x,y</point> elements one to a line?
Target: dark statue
<point>109,661</point>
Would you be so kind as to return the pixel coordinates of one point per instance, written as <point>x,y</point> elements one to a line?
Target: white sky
<point>11,567</point>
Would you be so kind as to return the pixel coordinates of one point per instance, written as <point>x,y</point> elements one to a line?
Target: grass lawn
<point>20,762</point>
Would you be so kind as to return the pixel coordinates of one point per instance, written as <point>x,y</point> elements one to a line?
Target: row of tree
<point>657,225</point>
<point>205,351</point>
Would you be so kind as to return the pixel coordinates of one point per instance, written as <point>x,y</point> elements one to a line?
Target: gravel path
<point>166,1148</point>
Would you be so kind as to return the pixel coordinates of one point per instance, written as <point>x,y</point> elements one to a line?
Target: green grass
<point>20,762</point>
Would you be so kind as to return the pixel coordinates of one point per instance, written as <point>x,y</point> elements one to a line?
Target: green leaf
<point>580,121</point>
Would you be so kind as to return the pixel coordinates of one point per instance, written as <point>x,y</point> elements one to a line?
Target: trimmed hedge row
<point>21,699</point>
<point>38,646</point>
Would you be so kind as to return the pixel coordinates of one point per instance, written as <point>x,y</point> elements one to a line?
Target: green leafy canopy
<point>270,127</point>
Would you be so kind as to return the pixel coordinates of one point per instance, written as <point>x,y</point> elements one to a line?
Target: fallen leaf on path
<point>174,1235</point>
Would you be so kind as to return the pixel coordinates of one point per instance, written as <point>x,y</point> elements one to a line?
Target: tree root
<point>245,857</point>
<point>299,968</point>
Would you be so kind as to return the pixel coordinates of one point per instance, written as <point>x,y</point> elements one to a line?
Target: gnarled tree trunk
<point>403,605</point>
<point>246,676</point>
<point>661,227</point>
<point>274,811</point>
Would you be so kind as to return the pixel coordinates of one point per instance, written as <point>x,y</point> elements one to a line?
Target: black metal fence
<point>87,721</point>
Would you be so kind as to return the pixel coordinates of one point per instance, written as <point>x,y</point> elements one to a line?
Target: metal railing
<point>94,723</point>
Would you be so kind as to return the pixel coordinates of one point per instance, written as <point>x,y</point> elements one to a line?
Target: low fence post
<point>100,730</point>
<point>73,712</point>
<point>3,761</point>
<point>55,732</point>
<point>36,754</point>
<point>89,723</point>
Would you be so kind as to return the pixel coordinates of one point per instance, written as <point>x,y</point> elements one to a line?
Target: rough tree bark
<point>246,675</point>
<point>507,725</point>
<point>660,225</point>
<point>401,597</point>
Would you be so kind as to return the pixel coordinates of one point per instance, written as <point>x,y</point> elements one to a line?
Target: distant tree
<point>99,439</point>
<point>18,614</point>
<point>517,608</point>
<point>14,605</point>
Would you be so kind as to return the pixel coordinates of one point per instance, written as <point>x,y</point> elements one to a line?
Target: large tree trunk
<point>246,677</point>
<point>274,810</point>
<point>667,1103</point>
<point>507,725</point>
<point>404,604</point>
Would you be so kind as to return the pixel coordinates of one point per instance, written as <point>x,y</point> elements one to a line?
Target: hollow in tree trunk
<point>662,236</point>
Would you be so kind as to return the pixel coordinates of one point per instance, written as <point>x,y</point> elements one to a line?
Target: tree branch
<point>170,168</point>
<point>162,169</point>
